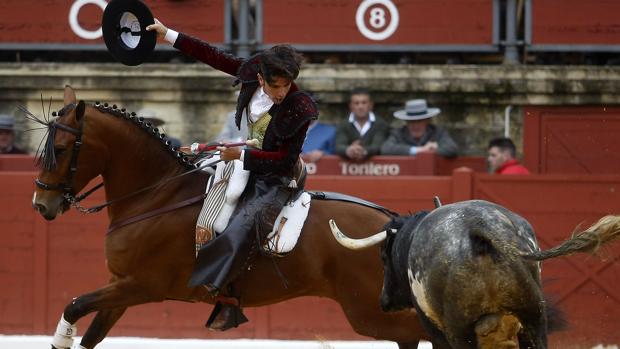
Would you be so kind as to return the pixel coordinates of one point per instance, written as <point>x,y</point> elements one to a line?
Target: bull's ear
<point>79,111</point>
<point>69,95</point>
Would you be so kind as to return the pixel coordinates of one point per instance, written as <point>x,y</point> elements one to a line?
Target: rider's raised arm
<point>204,52</point>
<point>198,49</point>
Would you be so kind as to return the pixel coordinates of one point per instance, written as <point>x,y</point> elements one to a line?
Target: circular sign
<point>74,23</point>
<point>380,28</point>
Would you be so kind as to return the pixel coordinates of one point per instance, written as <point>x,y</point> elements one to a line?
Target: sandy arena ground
<point>40,342</point>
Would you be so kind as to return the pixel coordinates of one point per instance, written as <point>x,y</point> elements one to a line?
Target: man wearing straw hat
<point>419,135</point>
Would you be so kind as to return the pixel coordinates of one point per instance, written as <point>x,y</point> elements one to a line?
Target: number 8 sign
<point>377,19</point>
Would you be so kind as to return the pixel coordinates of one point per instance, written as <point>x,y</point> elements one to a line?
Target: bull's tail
<point>607,229</point>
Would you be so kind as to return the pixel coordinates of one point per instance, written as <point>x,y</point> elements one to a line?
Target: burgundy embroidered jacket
<point>286,131</point>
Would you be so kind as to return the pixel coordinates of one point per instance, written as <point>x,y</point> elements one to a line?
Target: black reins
<point>66,186</point>
<point>76,200</point>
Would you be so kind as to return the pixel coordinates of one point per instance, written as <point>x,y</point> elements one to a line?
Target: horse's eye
<point>59,151</point>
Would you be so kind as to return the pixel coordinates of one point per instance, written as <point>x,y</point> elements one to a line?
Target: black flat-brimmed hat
<point>416,109</point>
<point>124,31</point>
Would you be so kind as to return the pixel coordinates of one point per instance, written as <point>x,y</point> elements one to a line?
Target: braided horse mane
<point>187,161</point>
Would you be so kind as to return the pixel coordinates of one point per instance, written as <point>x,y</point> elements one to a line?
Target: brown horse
<point>151,260</point>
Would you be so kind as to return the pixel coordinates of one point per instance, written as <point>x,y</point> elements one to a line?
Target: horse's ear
<point>69,95</point>
<point>79,111</point>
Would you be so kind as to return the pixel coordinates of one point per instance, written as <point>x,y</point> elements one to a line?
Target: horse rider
<point>278,115</point>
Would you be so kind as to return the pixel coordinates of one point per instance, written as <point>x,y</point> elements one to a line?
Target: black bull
<point>472,271</point>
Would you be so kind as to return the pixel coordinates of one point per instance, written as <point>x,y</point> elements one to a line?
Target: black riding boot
<point>223,259</point>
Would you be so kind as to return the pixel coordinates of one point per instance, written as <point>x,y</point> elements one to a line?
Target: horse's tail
<point>607,229</point>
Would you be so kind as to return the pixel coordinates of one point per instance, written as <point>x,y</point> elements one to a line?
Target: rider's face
<point>276,89</point>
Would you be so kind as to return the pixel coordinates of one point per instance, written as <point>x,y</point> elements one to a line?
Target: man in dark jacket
<point>419,135</point>
<point>277,115</point>
<point>360,136</point>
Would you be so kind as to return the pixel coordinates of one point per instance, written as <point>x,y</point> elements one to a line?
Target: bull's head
<point>396,293</point>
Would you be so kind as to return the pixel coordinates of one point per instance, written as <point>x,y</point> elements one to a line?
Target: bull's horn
<point>355,244</point>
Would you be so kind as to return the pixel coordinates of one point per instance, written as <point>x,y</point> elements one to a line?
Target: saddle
<point>224,190</point>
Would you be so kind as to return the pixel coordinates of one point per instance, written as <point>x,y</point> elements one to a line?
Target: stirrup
<point>225,316</point>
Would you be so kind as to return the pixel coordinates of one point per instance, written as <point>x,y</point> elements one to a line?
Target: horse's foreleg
<point>119,294</point>
<point>101,325</point>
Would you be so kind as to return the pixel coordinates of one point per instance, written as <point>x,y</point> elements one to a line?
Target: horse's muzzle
<point>49,209</point>
<point>43,211</point>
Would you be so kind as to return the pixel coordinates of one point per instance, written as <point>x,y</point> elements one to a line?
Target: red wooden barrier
<point>44,264</point>
<point>17,163</point>
<point>576,140</point>
<point>390,166</point>
<point>50,22</point>
<point>422,164</point>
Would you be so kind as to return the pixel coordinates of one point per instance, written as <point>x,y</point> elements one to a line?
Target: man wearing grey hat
<point>7,136</point>
<point>419,135</point>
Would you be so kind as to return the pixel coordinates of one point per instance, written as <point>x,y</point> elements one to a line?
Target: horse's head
<point>64,152</point>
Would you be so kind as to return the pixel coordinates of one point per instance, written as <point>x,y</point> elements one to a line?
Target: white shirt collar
<point>261,93</point>
<point>363,129</point>
<point>259,104</point>
<point>371,117</point>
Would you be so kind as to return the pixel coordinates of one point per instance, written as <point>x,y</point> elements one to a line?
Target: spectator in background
<point>502,157</point>
<point>363,133</point>
<point>230,132</point>
<point>7,136</point>
<point>419,135</point>
<point>150,115</point>
<point>320,140</point>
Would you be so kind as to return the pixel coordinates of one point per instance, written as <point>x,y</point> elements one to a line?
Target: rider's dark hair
<point>280,61</point>
<point>505,144</point>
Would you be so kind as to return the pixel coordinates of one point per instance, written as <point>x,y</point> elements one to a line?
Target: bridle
<point>66,186</point>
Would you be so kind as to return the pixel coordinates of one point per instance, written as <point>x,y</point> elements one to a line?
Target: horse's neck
<point>135,159</point>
